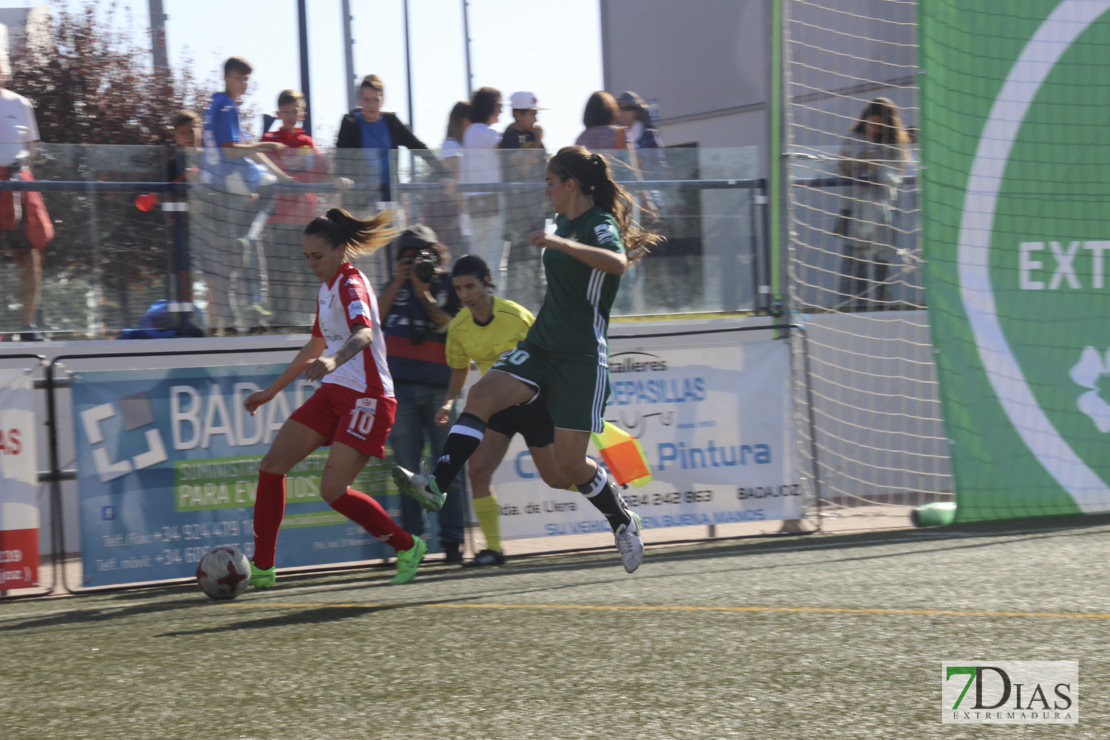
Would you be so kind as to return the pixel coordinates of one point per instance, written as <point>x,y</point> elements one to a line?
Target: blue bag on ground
<point>168,320</point>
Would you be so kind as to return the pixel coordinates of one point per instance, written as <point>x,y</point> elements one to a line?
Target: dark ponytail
<point>357,237</point>
<point>595,180</point>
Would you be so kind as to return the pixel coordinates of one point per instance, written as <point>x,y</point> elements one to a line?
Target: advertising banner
<point>19,481</point>
<point>168,466</point>
<point>1016,237</point>
<point>715,419</point>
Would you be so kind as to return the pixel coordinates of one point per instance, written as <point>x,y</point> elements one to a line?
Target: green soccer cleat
<point>409,560</point>
<point>263,578</point>
<point>419,486</point>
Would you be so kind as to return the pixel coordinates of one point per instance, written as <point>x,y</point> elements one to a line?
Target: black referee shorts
<point>532,421</point>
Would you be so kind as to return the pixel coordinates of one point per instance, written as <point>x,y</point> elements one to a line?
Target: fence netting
<point>854,264</point>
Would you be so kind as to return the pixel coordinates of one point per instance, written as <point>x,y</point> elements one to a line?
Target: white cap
<point>525,101</point>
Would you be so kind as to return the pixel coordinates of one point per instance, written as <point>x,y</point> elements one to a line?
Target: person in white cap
<point>524,132</point>
<point>525,209</point>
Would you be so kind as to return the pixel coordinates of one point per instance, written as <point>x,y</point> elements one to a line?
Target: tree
<point>93,84</point>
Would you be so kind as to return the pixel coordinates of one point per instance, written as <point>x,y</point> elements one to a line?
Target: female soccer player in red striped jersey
<point>354,407</point>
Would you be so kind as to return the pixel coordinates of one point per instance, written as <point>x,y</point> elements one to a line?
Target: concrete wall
<point>708,64</point>
<point>877,413</point>
<point>705,61</point>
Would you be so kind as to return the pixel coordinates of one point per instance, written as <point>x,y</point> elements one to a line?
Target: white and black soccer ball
<point>224,573</point>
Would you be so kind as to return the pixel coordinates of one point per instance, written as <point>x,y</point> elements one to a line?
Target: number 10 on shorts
<point>362,416</point>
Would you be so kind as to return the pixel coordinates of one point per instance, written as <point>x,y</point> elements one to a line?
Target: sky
<point>550,47</point>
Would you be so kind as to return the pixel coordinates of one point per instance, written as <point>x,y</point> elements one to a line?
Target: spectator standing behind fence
<point>184,127</point>
<point>634,116</point>
<point>485,328</point>
<point>416,307</point>
<point>443,209</point>
<point>25,226</point>
<point>873,157</point>
<point>377,133</point>
<point>235,168</point>
<point>564,357</point>
<point>649,162</point>
<point>523,160</point>
<point>352,409</point>
<point>458,121</point>
<point>291,295</point>
<point>600,120</point>
<point>480,164</point>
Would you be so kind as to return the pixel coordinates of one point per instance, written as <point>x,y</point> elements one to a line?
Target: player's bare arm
<point>359,340</point>
<point>454,387</point>
<point>312,349</point>
<point>614,263</point>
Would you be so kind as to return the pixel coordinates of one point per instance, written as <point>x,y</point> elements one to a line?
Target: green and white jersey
<point>574,318</point>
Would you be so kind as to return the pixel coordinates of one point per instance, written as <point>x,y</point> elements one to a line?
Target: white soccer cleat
<point>419,486</point>
<point>629,543</point>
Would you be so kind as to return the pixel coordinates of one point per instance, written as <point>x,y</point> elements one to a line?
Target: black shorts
<point>532,421</point>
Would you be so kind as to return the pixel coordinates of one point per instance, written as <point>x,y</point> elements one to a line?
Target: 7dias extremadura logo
<point>1010,692</point>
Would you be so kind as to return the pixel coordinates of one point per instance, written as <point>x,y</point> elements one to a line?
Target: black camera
<point>424,265</point>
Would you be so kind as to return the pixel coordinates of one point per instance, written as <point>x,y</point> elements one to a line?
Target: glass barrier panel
<point>107,260</point>
<point>828,209</point>
<point>227,237</point>
<point>714,236</point>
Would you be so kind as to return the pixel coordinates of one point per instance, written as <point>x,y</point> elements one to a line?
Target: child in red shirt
<point>291,296</point>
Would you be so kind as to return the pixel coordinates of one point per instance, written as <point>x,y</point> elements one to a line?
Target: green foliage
<point>92,82</point>
<point>93,85</point>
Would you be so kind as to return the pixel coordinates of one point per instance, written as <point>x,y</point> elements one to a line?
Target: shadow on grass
<point>293,617</point>
<point>89,616</point>
<point>596,568</point>
<point>295,613</point>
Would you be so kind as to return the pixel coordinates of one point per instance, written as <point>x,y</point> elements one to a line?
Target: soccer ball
<point>224,573</point>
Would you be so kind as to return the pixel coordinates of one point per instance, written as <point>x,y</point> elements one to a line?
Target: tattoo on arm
<point>355,343</point>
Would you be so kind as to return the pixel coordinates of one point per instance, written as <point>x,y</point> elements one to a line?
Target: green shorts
<point>576,386</point>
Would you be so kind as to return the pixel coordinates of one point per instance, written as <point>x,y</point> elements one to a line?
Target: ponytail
<point>596,181</point>
<point>357,237</point>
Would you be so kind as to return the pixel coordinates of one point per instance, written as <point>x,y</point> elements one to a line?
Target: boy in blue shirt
<point>377,133</point>
<point>235,168</point>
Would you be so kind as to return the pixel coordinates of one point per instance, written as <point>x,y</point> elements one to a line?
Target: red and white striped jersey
<point>346,302</point>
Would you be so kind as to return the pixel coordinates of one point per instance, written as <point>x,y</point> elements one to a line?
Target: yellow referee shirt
<point>468,340</point>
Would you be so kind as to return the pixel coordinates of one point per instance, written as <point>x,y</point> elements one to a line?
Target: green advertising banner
<point>1015,130</point>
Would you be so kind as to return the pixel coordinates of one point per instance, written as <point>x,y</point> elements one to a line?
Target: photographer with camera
<point>416,307</point>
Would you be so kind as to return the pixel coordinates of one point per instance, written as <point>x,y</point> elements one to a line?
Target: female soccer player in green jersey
<point>565,355</point>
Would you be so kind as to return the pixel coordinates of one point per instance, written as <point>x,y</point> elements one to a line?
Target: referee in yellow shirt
<point>485,328</point>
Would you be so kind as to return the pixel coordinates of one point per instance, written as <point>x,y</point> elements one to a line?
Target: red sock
<point>269,509</point>
<point>369,514</point>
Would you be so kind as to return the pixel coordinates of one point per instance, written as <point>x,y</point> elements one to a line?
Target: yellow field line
<point>680,608</point>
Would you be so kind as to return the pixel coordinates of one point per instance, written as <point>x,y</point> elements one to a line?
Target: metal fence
<point>126,238</point>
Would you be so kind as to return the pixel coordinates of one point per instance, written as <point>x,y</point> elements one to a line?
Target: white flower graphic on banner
<point>1087,372</point>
